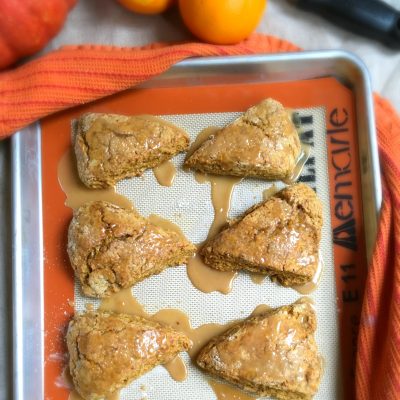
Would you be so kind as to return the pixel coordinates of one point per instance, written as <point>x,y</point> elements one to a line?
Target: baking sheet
<point>206,86</point>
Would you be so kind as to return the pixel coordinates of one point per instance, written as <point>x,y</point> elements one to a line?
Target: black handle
<point>371,18</point>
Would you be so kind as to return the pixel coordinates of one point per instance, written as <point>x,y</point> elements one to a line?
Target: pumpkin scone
<point>107,350</point>
<point>110,147</point>
<point>272,354</point>
<point>278,237</point>
<point>111,248</point>
<point>263,143</point>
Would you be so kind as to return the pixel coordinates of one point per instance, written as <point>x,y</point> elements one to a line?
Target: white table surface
<point>105,22</point>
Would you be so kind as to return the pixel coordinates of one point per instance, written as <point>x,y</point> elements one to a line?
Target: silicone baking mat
<point>327,116</point>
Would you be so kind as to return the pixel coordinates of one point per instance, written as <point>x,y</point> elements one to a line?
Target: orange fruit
<point>221,21</point>
<point>147,6</point>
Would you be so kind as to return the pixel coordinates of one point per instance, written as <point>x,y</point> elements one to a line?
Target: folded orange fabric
<point>80,74</point>
<point>378,356</point>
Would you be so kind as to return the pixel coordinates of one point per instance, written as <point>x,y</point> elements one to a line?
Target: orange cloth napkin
<point>378,355</point>
<point>80,74</point>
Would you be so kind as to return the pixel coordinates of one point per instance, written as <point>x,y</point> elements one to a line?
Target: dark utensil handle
<point>372,18</point>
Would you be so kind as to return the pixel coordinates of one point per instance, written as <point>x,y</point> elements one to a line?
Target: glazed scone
<point>111,248</point>
<point>279,237</point>
<point>272,354</point>
<point>107,350</point>
<point>110,147</point>
<point>263,143</point>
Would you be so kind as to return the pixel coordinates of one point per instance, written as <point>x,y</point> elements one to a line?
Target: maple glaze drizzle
<point>77,193</point>
<point>201,275</point>
<point>305,289</point>
<point>221,195</point>
<point>224,391</point>
<point>209,279</point>
<point>258,279</point>
<point>124,302</point>
<point>309,287</point>
<point>177,369</point>
<point>165,224</point>
<point>301,161</point>
<point>165,173</point>
<point>260,309</point>
<point>200,139</point>
<point>270,191</point>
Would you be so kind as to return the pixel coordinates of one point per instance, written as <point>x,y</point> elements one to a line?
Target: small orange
<point>147,6</point>
<point>221,21</point>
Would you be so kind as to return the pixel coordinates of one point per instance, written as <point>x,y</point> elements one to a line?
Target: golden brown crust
<point>278,237</point>
<point>111,147</point>
<point>107,350</point>
<point>111,248</point>
<point>272,354</point>
<point>263,143</point>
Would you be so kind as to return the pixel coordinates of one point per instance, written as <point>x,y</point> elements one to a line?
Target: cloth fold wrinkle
<point>76,75</point>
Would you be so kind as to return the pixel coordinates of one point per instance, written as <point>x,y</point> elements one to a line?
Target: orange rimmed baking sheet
<point>343,172</point>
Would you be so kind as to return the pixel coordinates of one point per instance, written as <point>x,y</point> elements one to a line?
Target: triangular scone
<point>273,354</point>
<point>111,248</point>
<point>112,147</point>
<point>263,143</point>
<point>279,237</point>
<point>107,350</point>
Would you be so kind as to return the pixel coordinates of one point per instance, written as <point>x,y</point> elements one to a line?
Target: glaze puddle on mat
<point>226,392</point>
<point>221,194</point>
<point>77,193</point>
<point>209,279</point>
<point>165,173</point>
<point>177,369</point>
<point>202,276</point>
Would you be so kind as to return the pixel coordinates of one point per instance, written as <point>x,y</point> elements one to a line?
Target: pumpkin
<point>27,25</point>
